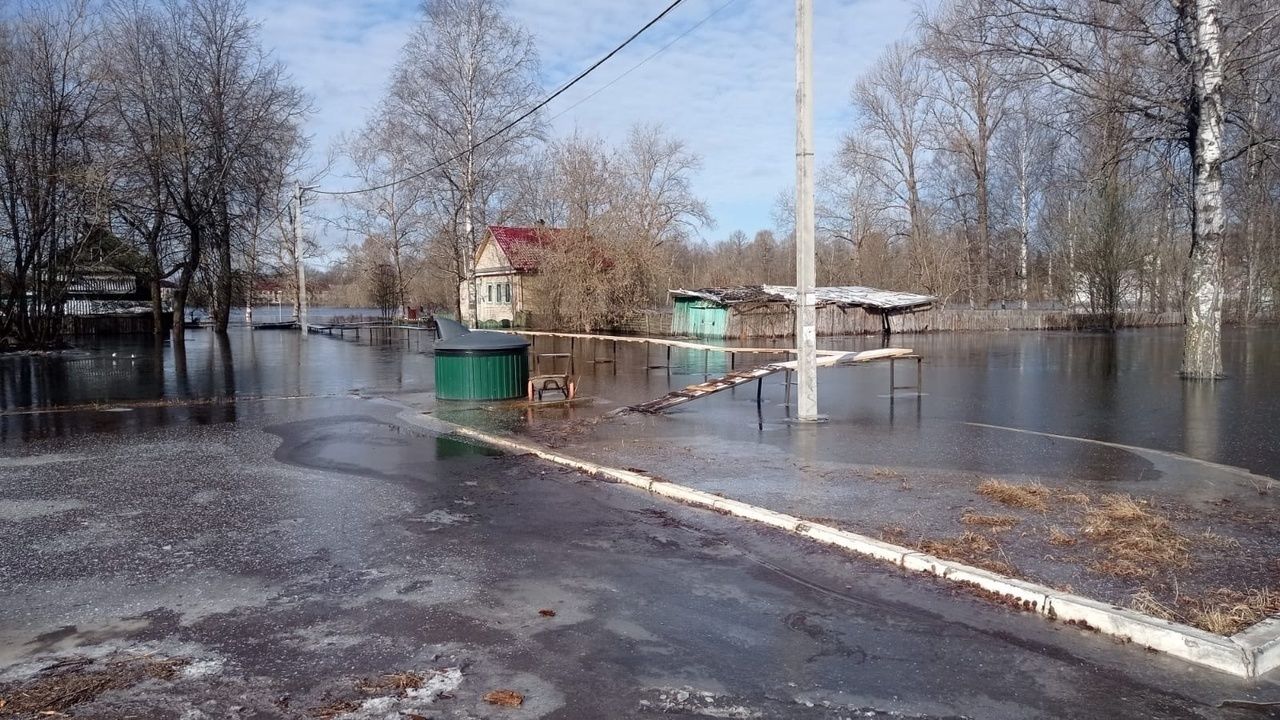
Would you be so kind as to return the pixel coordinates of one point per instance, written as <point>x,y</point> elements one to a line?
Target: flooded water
<point>982,393</point>
<point>1121,388</point>
<point>210,378</point>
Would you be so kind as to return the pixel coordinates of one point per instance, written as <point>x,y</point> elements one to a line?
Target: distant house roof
<point>520,244</point>
<point>101,279</point>
<point>883,301</point>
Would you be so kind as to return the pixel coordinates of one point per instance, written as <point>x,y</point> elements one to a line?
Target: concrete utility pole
<point>806,316</point>
<point>298,258</point>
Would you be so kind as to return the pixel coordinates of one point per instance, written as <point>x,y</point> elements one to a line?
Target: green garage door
<point>707,319</point>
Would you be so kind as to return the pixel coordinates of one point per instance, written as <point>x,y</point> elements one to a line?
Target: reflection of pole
<point>302,267</point>
<point>806,326</point>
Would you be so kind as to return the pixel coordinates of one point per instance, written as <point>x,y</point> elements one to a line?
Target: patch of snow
<point>413,702</point>
<point>443,517</point>
<point>203,668</point>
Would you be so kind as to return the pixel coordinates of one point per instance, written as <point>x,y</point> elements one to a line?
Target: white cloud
<point>727,88</point>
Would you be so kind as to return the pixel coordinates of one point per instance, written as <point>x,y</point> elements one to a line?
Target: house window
<point>489,290</point>
<point>506,291</point>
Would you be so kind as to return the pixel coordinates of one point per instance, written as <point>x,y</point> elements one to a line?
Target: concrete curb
<point>1248,654</point>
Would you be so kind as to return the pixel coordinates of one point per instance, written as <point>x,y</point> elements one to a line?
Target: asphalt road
<point>286,549</point>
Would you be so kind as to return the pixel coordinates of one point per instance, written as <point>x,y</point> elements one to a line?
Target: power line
<point>640,64</point>
<point>520,119</point>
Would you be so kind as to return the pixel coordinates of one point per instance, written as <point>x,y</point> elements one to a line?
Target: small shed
<point>761,311</point>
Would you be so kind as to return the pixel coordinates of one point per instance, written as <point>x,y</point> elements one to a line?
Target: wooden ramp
<point>742,377</point>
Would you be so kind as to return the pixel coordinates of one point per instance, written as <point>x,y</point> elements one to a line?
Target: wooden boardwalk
<point>742,377</point>
<point>689,345</point>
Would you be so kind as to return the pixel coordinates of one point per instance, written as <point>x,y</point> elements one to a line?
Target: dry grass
<point>1144,602</point>
<point>1135,541</point>
<point>334,709</point>
<point>1030,496</point>
<point>1227,612</point>
<point>883,473</point>
<point>395,682</point>
<point>1075,498</point>
<point>1223,611</point>
<point>66,684</point>
<point>893,533</point>
<point>504,698</point>
<point>970,548</point>
<point>1060,537</point>
<point>1212,538</point>
<point>997,523</point>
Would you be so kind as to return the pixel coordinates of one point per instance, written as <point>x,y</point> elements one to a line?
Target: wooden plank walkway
<point>669,343</point>
<point>283,325</point>
<point>741,377</point>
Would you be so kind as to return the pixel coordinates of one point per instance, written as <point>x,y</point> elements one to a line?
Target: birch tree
<point>466,73</point>
<point>1179,62</point>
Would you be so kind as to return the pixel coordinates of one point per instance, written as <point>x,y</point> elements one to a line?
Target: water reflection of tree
<point>384,289</point>
<point>1200,427</point>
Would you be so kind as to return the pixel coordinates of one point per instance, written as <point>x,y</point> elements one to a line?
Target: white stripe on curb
<point>1248,654</point>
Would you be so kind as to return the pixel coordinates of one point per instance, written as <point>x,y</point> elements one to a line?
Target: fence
<point>125,324</point>
<point>778,320</point>
<point>965,319</point>
<point>645,322</point>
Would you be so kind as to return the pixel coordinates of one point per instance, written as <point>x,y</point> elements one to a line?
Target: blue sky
<point>726,89</point>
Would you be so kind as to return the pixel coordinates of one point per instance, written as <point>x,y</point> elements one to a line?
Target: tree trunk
<point>1024,226</point>
<point>157,306</point>
<point>1201,349</point>
<point>223,278</point>
<point>185,275</point>
<point>179,307</point>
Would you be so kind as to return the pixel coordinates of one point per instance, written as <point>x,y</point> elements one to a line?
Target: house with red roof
<point>506,263</point>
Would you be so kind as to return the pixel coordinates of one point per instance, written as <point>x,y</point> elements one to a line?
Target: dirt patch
<point>558,434</point>
<point>68,683</point>
<point>893,533</point>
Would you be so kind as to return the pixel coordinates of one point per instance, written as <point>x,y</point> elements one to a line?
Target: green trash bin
<point>480,365</point>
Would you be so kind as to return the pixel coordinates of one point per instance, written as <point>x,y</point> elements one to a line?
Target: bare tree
<point>893,108</point>
<point>248,112</point>
<point>467,72</point>
<point>135,60</point>
<point>1023,153</point>
<point>392,212</point>
<point>52,186</point>
<point>972,94</point>
<point>626,216</point>
<point>1178,61</point>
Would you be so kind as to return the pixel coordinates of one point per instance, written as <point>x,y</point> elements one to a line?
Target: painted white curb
<point>1248,654</point>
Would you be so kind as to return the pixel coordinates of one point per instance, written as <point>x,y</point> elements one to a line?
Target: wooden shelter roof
<point>871,299</point>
